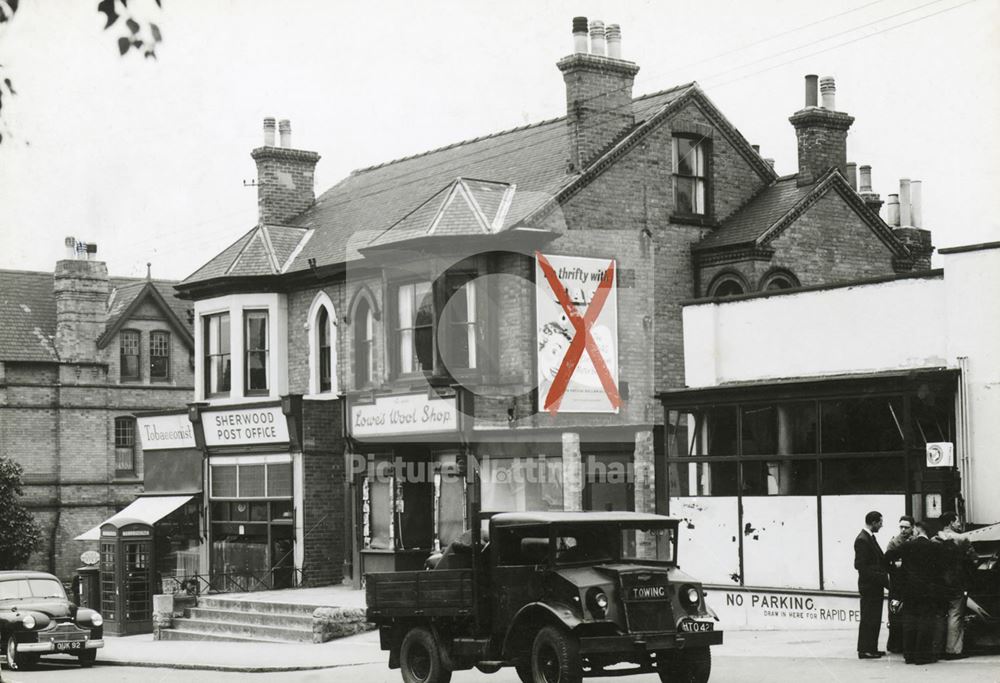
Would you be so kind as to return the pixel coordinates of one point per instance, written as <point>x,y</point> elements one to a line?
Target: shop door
<point>610,483</point>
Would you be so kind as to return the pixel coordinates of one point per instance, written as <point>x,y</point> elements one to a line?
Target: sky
<point>148,158</point>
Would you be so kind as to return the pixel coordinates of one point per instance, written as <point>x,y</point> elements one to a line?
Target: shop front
<point>252,464</point>
<point>774,479</point>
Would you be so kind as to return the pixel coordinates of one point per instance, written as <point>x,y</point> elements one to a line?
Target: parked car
<point>37,618</point>
<point>556,595</point>
<point>983,620</point>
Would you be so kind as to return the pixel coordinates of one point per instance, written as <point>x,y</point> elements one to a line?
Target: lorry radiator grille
<point>647,603</point>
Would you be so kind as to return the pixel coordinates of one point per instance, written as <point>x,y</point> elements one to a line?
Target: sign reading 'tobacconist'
<point>245,427</point>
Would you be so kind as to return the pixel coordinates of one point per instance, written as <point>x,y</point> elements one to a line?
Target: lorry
<point>557,595</point>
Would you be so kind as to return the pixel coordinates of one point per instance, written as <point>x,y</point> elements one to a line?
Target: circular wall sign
<point>90,557</point>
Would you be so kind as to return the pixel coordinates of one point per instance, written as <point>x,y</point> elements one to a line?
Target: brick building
<point>80,353</point>
<point>410,308</point>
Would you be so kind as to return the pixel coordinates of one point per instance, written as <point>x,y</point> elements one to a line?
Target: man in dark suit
<point>922,593</point>
<point>872,582</point>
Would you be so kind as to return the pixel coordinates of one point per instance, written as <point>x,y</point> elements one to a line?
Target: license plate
<point>71,645</point>
<point>689,626</point>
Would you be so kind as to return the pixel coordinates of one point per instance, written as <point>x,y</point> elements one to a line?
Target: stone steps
<point>249,620</point>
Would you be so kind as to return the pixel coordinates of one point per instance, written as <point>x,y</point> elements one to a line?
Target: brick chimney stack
<point>81,289</point>
<point>872,199</point>
<point>285,182</point>
<point>821,132</point>
<point>598,91</point>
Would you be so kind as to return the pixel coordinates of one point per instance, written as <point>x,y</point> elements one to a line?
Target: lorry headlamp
<point>693,596</point>
<point>597,602</point>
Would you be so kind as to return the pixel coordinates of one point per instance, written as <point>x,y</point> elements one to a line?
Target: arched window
<point>322,346</point>
<point>777,280</point>
<point>727,284</point>
<point>325,357</point>
<point>364,344</point>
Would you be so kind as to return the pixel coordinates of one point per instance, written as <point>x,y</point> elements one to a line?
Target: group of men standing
<point>927,579</point>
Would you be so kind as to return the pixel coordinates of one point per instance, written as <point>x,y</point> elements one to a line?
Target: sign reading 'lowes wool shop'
<point>406,414</point>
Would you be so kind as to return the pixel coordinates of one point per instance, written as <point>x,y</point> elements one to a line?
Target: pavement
<point>362,649</point>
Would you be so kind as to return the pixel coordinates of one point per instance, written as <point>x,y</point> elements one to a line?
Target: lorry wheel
<point>420,658</point>
<point>685,666</point>
<point>555,657</point>
<point>524,673</point>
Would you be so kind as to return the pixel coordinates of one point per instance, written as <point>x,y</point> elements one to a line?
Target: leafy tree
<point>20,536</point>
<point>134,34</point>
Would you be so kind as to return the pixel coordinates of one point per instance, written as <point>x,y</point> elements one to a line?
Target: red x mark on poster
<point>582,338</point>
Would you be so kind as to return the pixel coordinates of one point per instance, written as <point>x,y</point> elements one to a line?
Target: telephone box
<point>127,576</point>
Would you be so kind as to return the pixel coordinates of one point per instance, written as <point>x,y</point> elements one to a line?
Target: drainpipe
<point>964,424</point>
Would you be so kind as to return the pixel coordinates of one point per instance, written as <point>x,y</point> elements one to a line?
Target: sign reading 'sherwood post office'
<point>246,426</point>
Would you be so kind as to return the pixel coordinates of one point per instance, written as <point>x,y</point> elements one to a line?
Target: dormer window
<point>159,355</point>
<point>690,155</point>
<point>129,356</point>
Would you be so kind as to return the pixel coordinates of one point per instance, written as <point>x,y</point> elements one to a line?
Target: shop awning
<point>148,509</point>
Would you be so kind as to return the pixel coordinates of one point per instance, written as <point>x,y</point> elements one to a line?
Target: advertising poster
<point>574,282</point>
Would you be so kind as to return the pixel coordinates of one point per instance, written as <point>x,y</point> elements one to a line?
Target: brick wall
<point>284,183</point>
<point>323,493</point>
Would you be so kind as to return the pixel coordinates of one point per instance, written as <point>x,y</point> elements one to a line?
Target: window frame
<point>364,347</point>
<point>704,144</point>
<point>125,440</point>
<point>208,356</point>
<point>324,352</point>
<point>153,336</point>
<point>453,282</point>
<point>398,329</point>
<point>122,335</point>
<point>247,351</point>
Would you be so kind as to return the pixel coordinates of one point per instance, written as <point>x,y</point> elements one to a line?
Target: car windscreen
<point>21,589</point>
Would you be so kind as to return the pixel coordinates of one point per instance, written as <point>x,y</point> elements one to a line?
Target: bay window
<point>414,328</point>
<point>255,345</point>
<point>218,361</point>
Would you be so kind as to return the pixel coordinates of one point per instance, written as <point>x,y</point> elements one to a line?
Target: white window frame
<point>319,302</point>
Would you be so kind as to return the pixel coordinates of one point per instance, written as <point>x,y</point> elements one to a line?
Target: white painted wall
<point>972,296</point>
<point>878,327</point>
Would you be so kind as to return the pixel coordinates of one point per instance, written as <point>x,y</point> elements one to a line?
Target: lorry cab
<point>556,595</point>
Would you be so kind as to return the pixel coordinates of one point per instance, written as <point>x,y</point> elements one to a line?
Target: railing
<point>244,581</point>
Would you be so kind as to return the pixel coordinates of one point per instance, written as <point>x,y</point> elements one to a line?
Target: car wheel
<point>420,658</point>
<point>16,661</point>
<point>487,668</point>
<point>685,666</point>
<point>87,658</point>
<point>555,657</point>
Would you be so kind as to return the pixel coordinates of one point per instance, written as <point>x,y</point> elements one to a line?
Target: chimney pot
<point>905,219</point>
<point>852,175</point>
<point>916,204</point>
<point>269,131</point>
<point>285,131</point>
<point>811,96</point>
<point>598,45</point>
<point>866,178</point>
<point>580,44</point>
<point>892,210</point>
<point>614,41</point>
<point>828,91</point>
<point>756,148</point>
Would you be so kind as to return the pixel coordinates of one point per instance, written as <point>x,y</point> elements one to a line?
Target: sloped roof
<point>370,201</point>
<point>780,204</point>
<point>27,316</point>
<point>127,294</point>
<point>264,250</point>
<point>28,311</point>
<point>759,214</point>
<point>464,208</point>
